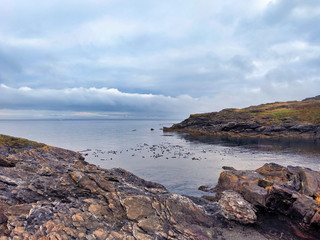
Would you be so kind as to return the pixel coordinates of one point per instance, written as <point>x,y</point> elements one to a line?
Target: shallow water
<point>180,162</point>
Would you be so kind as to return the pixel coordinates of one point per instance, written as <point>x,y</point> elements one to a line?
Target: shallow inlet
<point>180,162</point>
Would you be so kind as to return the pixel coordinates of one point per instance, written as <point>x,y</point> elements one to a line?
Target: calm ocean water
<point>178,161</point>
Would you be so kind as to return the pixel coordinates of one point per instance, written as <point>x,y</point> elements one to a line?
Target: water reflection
<point>259,144</point>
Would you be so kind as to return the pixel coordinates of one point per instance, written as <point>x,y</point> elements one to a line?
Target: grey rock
<point>235,207</point>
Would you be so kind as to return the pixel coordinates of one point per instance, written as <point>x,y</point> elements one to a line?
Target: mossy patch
<point>297,111</point>
<point>19,143</point>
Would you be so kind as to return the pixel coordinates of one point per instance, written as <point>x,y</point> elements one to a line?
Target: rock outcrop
<point>296,119</point>
<point>52,193</point>
<point>291,191</point>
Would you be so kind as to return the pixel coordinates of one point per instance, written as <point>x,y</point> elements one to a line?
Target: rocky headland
<point>294,119</point>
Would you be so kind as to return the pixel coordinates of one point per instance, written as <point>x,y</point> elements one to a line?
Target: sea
<point>179,161</point>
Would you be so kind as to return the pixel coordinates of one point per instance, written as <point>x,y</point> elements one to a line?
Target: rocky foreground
<point>295,119</point>
<point>52,193</point>
<point>288,191</point>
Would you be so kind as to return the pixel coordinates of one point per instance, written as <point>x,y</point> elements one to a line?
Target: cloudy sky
<point>154,59</point>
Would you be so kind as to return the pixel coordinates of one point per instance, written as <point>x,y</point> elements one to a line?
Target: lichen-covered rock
<point>235,207</point>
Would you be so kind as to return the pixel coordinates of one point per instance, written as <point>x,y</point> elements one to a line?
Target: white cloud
<point>300,48</point>
<point>12,41</point>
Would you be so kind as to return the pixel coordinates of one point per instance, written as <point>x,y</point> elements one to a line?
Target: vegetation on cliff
<point>306,111</point>
<point>291,119</point>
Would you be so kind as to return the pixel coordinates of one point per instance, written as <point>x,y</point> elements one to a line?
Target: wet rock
<point>235,207</point>
<point>229,168</point>
<point>205,188</point>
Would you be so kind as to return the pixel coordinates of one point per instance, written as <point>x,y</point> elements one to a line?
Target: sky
<point>154,59</point>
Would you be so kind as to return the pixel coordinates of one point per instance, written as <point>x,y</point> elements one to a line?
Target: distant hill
<point>296,119</point>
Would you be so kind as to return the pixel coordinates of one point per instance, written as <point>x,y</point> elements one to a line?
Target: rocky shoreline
<point>53,193</point>
<point>203,126</point>
<point>296,119</point>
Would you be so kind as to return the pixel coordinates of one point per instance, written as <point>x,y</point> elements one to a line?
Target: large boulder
<point>235,207</point>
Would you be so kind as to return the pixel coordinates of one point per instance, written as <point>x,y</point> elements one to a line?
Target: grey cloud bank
<point>81,101</point>
<point>155,58</point>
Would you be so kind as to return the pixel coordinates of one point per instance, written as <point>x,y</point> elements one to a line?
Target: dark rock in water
<point>151,129</point>
<point>52,193</point>
<point>204,188</point>
<point>228,168</point>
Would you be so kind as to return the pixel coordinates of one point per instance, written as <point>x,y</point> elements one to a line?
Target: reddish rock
<point>273,172</point>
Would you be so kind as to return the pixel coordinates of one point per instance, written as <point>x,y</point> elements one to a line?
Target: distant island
<point>293,119</point>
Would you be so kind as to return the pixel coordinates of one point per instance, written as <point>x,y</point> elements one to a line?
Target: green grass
<point>296,111</point>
